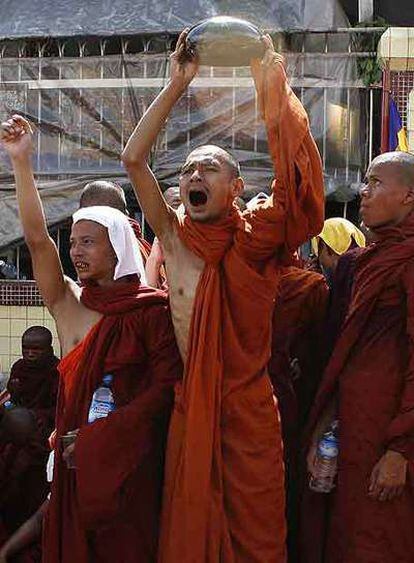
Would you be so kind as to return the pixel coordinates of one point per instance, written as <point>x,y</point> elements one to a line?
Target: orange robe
<point>224,489</point>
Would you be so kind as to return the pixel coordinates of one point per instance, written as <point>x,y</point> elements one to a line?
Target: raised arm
<point>16,135</point>
<point>296,209</point>
<point>136,152</point>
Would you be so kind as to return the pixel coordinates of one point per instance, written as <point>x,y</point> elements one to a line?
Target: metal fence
<point>84,97</point>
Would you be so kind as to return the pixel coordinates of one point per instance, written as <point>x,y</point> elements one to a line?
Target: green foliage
<point>369,69</point>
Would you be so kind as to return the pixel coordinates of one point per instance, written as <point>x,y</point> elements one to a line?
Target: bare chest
<point>183,272</point>
<point>73,322</point>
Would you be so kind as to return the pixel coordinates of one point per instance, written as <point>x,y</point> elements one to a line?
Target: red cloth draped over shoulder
<point>371,373</point>
<point>144,245</point>
<point>377,265</point>
<point>108,508</point>
<point>299,317</point>
<point>216,505</point>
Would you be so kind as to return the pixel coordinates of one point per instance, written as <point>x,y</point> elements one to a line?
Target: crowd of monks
<point>231,354</point>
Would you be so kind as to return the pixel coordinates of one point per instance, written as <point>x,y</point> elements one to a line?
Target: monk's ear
<point>238,187</point>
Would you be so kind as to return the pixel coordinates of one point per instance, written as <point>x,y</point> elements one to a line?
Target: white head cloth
<point>121,236</point>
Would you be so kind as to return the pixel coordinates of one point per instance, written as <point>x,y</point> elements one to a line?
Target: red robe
<point>298,322</point>
<point>23,484</point>
<point>371,373</point>
<point>224,487</point>
<point>107,509</point>
<point>35,387</point>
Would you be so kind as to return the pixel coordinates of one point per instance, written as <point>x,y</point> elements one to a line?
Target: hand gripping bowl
<point>225,41</point>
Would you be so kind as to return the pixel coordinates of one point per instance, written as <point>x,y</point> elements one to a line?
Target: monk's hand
<point>183,62</point>
<point>388,477</point>
<point>16,137</point>
<point>69,451</point>
<point>270,56</point>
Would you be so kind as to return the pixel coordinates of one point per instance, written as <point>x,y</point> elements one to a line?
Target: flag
<point>397,138</point>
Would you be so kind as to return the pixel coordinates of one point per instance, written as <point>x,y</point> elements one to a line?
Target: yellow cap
<point>338,234</point>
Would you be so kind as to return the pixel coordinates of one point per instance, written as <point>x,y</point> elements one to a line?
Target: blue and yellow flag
<point>397,138</point>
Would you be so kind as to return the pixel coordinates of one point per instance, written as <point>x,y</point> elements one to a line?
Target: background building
<point>84,75</point>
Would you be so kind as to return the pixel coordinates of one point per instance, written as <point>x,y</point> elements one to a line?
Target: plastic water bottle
<point>326,465</point>
<point>102,400</point>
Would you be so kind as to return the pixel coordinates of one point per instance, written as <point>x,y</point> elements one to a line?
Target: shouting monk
<point>369,385</point>
<point>107,507</point>
<point>224,490</point>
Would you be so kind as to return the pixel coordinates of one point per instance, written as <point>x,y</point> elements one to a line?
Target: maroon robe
<point>107,509</point>
<point>371,374</point>
<point>298,322</point>
<point>35,387</point>
<point>23,485</point>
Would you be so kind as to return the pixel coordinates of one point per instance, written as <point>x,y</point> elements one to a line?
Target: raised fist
<point>16,137</point>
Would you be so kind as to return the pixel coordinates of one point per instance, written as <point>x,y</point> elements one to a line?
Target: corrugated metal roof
<point>59,18</point>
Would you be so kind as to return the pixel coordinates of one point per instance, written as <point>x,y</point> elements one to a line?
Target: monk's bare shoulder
<point>73,320</point>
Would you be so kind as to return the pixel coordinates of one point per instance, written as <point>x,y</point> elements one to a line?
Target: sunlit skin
<point>385,199</point>
<point>91,253</point>
<point>207,172</point>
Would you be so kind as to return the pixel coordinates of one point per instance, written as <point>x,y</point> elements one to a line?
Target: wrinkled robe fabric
<point>107,509</point>
<point>371,374</point>
<point>224,488</point>
<point>297,335</point>
<point>35,387</point>
<point>23,484</point>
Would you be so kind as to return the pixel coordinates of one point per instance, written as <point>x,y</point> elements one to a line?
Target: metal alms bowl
<point>225,41</point>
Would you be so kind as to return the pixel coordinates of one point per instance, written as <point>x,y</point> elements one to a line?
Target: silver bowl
<point>225,41</point>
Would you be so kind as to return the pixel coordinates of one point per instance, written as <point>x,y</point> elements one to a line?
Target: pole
<point>385,108</point>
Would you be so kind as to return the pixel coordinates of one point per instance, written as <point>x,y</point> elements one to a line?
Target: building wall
<point>14,320</point>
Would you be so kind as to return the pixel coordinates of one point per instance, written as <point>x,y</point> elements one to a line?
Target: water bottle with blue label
<point>326,464</point>
<point>103,401</point>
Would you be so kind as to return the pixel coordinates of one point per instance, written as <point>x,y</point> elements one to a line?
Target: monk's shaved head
<point>387,197</point>
<point>37,345</point>
<point>17,426</point>
<point>402,164</point>
<point>222,154</point>
<point>102,192</point>
<point>209,183</point>
<point>38,333</point>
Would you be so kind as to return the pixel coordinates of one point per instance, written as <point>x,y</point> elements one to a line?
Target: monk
<point>102,192</point>
<point>23,484</point>
<point>368,386</point>
<point>224,486</point>
<point>337,237</point>
<point>296,368</point>
<point>106,508</point>
<point>34,379</point>
<point>337,246</point>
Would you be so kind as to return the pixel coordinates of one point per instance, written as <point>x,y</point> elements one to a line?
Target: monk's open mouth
<point>81,266</point>
<point>197,198</point>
